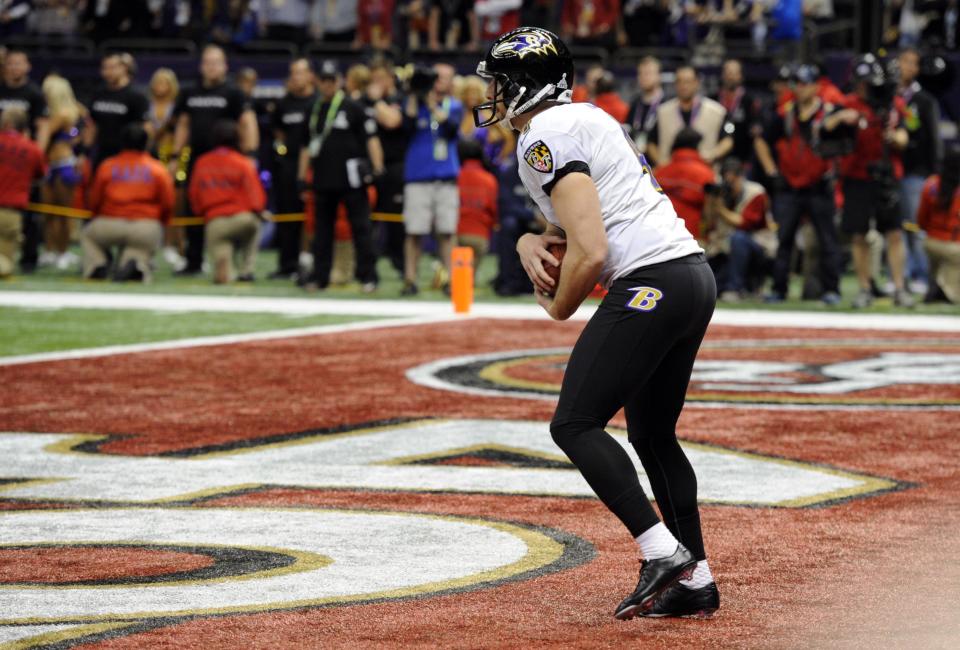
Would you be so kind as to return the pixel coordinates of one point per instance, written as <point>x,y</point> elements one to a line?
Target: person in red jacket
<point>131,199</point>
<point>879,138</point>
<point>685,179</point>
<point>478,201</point>
<point>21,163</point>
<point>791,157</point>
<point>608,100</point>
<point>226,191</point>
<point>939,217</point>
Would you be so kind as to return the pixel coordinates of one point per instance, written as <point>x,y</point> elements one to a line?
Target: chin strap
<point>513,110</point>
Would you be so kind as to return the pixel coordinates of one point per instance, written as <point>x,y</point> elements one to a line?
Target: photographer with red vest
<point>873,119</point>
<point>803,181</point>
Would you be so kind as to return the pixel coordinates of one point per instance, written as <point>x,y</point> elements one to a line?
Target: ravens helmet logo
<point>524,43</point>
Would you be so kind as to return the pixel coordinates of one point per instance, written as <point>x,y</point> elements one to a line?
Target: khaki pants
<point>11,228</point>
<point>226,235</point>
<point>344,262</point>
<point>480,246</point>
<point>138,240</point>
<point>944,258</point>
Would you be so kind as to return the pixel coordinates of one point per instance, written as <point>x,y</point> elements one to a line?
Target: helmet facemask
<point>504,90</point>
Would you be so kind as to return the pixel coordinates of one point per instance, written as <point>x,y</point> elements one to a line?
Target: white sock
<point>701,576</point>
<point>657,542</point>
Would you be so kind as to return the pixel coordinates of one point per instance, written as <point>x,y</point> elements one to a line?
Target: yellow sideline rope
<point>74,213</point>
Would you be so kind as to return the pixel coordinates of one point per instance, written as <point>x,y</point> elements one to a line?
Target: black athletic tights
<point>637,352</point>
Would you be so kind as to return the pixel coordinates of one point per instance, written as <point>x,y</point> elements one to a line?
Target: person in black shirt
<point>341,146</point>
<point>103,19</point>
<point>452,24</point>
<point>289,116</point>
<point>17,91</point>
<point>744,111</point>
<point>113,107</point>
<point>385,105</point>
<point>921,158</point>
<point>643,109</point>
<point>790,155</point>
<point>197,110</point>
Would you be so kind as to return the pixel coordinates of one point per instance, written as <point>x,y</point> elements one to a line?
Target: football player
<point>637,351</point>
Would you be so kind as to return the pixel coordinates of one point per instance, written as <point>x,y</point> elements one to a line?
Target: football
<point>558,251</point>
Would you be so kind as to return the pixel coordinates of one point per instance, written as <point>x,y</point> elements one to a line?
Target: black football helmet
<point>528,66</point>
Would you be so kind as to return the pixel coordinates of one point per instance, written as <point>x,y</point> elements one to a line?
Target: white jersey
<point>642,226</point>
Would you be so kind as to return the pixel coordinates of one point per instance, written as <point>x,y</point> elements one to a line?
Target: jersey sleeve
<point>548,156</point>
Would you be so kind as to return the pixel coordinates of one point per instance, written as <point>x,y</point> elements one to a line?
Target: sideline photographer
<point>431,200</point>
<point>873,119</point>
<point>740,235</point>
<point>802,177</point>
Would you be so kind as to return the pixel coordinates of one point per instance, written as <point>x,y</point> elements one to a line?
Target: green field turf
<point>47,279</point>
<point>29,331</point>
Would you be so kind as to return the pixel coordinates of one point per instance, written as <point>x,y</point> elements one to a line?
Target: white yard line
<point>438,309</point>
<point>396,313</point>
<point>203,341</point>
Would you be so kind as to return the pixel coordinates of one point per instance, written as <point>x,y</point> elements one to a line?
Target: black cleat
<point>685,602</point>
<point>655,577</point>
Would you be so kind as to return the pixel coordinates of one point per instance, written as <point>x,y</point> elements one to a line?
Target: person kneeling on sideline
<point>132,198</point>
<point>226,191</point>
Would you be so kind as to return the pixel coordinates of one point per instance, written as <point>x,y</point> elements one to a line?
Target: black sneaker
<point>99,273</point>
<point>305,278</point>
<point>187,273</point>
<point>409,289</point>
<point>685,602</point>
<point>245,277</point>
<point>128,272</point>
<point>655,577</point>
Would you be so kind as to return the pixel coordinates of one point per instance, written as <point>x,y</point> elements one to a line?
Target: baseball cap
<point>806,74</point>
<point>327,70</point>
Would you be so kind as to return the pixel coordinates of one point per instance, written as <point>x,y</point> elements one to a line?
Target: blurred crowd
<point>463,24</point>
<point>385,161</point>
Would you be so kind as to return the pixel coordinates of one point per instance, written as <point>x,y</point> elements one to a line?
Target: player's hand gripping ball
<point>558,251</point>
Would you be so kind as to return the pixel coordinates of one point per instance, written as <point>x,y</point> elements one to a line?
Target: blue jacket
<point>421,164</point>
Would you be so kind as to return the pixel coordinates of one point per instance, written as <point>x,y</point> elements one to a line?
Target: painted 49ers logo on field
<point>743,373</point>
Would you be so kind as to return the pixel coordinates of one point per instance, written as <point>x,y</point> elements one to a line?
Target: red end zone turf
<point>861,572</point>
